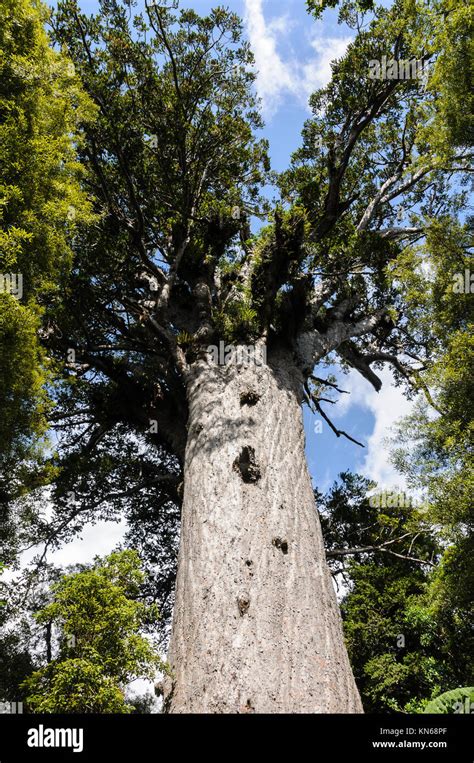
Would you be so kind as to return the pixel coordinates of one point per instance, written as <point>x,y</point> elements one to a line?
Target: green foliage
<point>279,256</point>
<point>394,667</point>
<point>407,628</point>
<point>41,106</point>
<point>457,701</point>
<point>22,378</point>
<point>317,7</point>
<point>237,320</point>
<point>195,107</point>
<point>452,74</point>
<point>355,515</point>
<point>433,448</point>
<point>74,686</point>
<point>101,648</point>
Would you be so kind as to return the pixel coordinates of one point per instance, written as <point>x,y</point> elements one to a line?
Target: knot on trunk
<point>281,544</point>
<point>247,466</point>
<point>249,397</point>
<point>243,602</point>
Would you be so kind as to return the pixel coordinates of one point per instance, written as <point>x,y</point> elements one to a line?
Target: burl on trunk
<point>257,627</point>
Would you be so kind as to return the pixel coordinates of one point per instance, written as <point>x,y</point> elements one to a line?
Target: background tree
<point>433,446</point>
<point>172,268</point>
<point>403,649</point>
<point>358,520</point>
<point>391,600</point>
<point>15,662</point>
<point>41,203</point>
<point>97,618</point>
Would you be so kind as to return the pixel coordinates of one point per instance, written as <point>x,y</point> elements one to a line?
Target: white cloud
<point>277,76</point>
<point>387,406</point>
<point>95,540</point>
<point>318,72</point>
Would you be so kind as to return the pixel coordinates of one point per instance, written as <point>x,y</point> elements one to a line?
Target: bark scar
<point>244,603</point>
<point>246,465</point>
<point>281,544</point>
<point>249,397</point>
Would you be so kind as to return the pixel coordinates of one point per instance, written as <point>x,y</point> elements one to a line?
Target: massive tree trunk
<point>256,625</point>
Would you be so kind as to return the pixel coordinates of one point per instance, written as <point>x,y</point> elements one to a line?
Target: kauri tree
<point>150,417</point>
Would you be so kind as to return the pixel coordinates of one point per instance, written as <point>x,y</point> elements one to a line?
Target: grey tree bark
<point>256,626</point>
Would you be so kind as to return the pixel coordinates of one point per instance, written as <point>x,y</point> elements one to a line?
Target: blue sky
<point>293,54</point>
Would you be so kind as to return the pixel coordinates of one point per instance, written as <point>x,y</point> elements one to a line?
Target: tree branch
<point>382,547</point>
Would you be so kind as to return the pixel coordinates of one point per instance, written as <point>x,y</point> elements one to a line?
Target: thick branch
<point>313,346</point>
